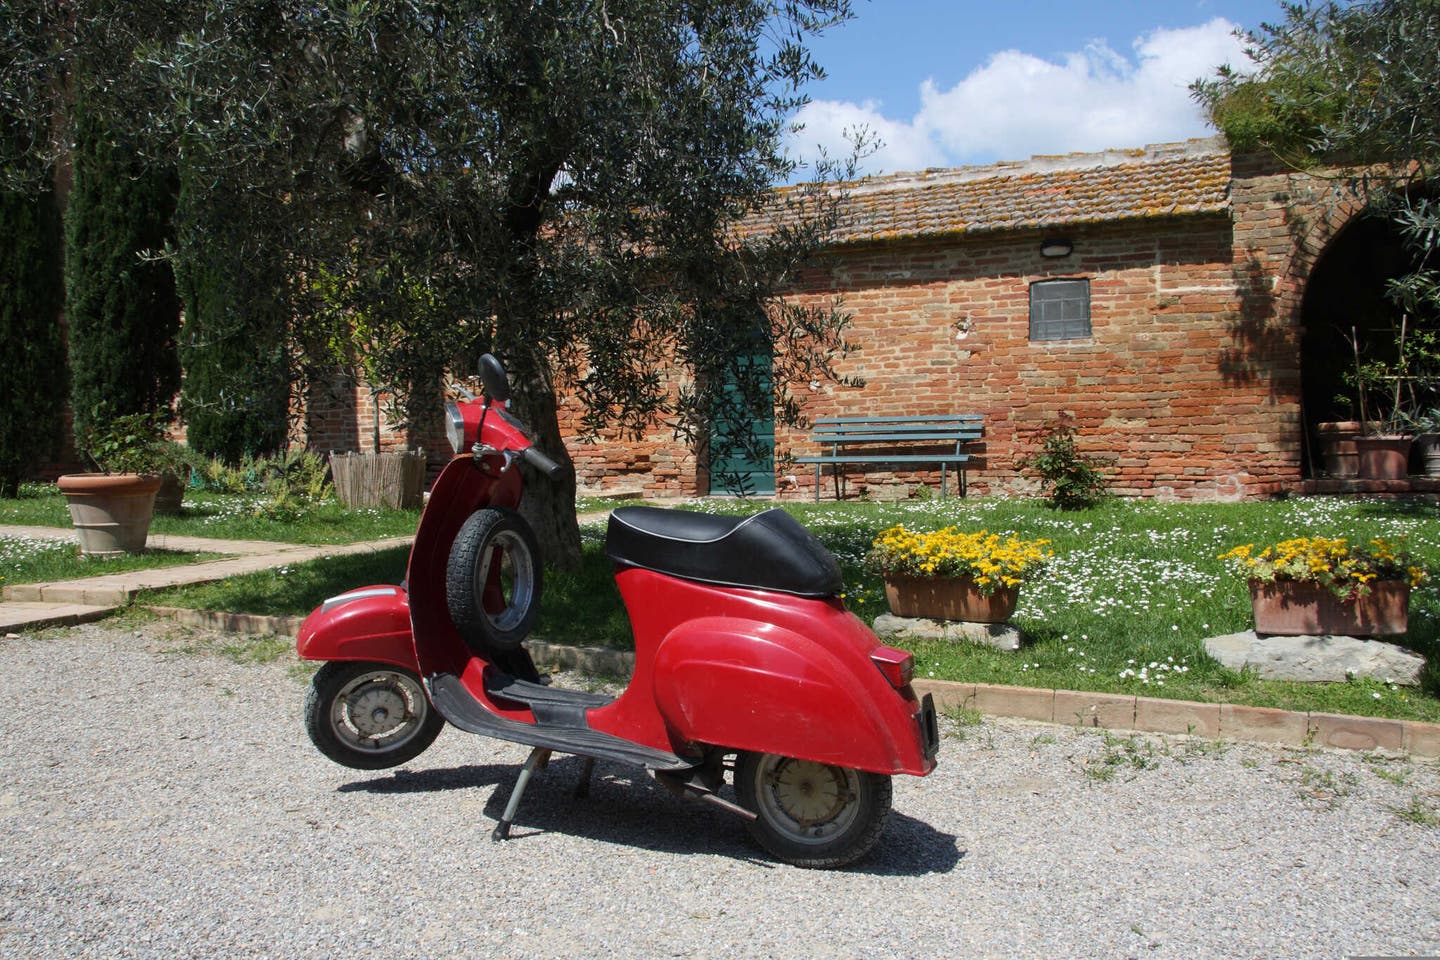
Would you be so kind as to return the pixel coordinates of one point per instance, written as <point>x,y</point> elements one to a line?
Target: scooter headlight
<point>455,427</point>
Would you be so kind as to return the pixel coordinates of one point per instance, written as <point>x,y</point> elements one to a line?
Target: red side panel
<point>760,671</point>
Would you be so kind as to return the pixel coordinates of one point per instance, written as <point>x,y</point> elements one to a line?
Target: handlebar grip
<point>544,464</point>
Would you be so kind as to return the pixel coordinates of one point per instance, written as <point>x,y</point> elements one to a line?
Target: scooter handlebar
<point>544,464</point>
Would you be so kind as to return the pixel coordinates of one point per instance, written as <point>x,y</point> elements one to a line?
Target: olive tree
<point>578,185</point>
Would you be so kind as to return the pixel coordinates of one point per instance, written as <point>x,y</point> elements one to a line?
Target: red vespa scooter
<point>743,649</point>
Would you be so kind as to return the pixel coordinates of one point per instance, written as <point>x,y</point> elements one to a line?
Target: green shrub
<point>293,475</point>
<point>1069,479</point>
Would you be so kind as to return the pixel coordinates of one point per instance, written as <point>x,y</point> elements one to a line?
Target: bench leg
<point>817,483</point>
<point>944,480</point>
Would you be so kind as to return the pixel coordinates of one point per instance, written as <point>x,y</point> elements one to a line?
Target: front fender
<point>755,686</point>
<point>371,623</point>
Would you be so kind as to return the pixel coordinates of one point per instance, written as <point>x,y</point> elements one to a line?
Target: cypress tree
<point>121,303</point>
<point>236,396</point>
<point>32,387</point>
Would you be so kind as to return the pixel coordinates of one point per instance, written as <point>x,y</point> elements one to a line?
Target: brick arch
<point>1284,222</point>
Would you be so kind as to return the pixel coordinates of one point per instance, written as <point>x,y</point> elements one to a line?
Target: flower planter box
<point>111,512</point>
<point>1297,608</point>
<point>948,598</point>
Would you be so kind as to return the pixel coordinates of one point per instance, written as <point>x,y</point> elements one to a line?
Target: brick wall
<point>1154,391</point>
<point>1189,386</point>
<point>339,416</point>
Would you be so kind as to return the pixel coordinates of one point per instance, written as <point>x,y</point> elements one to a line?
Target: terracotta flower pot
<point>948,598</point>
<point>111,511</point>
<point>1338,452</point>
<point>1295,608</point>
<point>1384,457</point>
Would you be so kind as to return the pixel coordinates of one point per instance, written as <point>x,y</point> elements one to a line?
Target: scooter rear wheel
<point>493,580</point>
<point>369,716</point>
<point>812,814</point>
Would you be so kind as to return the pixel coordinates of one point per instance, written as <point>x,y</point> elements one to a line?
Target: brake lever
<point>483,450</point>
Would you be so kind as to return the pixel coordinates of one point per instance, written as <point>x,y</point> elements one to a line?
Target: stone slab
<point>1025,702</point>
<point>948,694</point>
<point>1422,739</point>
<point>1356,733</point>
<point>17,616</point>
<point>1263,723</point>
<point>1177,716</point>
<point>1308,659</point>
<point>1001,636</point>
<point>1113,711</point>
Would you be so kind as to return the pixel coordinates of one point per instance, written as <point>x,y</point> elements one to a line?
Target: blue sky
<point>962,82</point>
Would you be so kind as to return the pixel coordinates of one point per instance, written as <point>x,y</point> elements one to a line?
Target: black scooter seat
<point>767,551</point>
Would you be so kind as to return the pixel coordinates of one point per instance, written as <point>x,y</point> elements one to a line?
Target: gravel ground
<point>163,801</point>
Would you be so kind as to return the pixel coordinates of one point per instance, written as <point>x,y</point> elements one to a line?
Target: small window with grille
<point>1060,310</point>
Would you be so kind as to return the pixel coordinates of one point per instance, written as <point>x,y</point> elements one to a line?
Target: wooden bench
<point>875,439</point>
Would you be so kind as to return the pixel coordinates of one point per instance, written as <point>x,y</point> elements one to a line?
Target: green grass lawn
<point>289,590</point>
<point>1133,583</point>
<point>25,560</point>
<point>231,517</point>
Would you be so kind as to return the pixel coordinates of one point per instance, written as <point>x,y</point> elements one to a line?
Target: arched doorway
<point>1349,320</point>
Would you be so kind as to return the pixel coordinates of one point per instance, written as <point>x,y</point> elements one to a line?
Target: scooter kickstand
<point>537,758</point>
<point>582,789</point>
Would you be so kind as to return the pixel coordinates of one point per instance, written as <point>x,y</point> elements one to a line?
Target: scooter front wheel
<point>369,715</point>
<point>812,814</point>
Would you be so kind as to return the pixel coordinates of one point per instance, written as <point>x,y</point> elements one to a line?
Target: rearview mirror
<point>492,374</point>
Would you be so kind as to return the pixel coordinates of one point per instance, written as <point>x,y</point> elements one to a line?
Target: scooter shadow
<point>628,808</point>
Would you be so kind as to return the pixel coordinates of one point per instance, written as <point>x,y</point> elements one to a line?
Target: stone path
<point>29,606</point>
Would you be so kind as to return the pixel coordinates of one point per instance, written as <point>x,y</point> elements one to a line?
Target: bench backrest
<point>945,427</point>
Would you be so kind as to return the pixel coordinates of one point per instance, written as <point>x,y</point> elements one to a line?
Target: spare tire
<point>493,580</point>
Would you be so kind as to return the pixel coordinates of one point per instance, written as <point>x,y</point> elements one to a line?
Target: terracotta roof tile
<point>1160,181</point>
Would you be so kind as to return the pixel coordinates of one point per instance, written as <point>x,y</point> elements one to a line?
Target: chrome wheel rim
<point>805,801</point>
<point>379,711</point>
<point>508,559</point>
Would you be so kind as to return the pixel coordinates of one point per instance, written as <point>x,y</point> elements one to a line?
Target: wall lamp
<point>1055,247</point>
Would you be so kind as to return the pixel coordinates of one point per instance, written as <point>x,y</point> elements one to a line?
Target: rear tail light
<point>897,665</point>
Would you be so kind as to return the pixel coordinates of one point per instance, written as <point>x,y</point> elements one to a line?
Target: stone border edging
<point>1215,720</point>
<point>1115,711</point>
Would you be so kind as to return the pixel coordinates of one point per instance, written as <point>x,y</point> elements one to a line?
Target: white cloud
<point>1017,104</point>
<point>832,126</point>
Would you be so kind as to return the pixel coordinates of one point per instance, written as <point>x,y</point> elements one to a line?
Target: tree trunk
<point>548,505</point>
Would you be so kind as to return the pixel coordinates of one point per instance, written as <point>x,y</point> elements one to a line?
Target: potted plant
<point>1427,442</point>
<point>175,463</point>
<point>949,575</point>
<point>1322,586</point>
<point>1384,448</point>
<point>112,508</point>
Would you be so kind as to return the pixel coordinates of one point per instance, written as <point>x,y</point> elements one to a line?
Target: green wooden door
<point>742,445</point>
